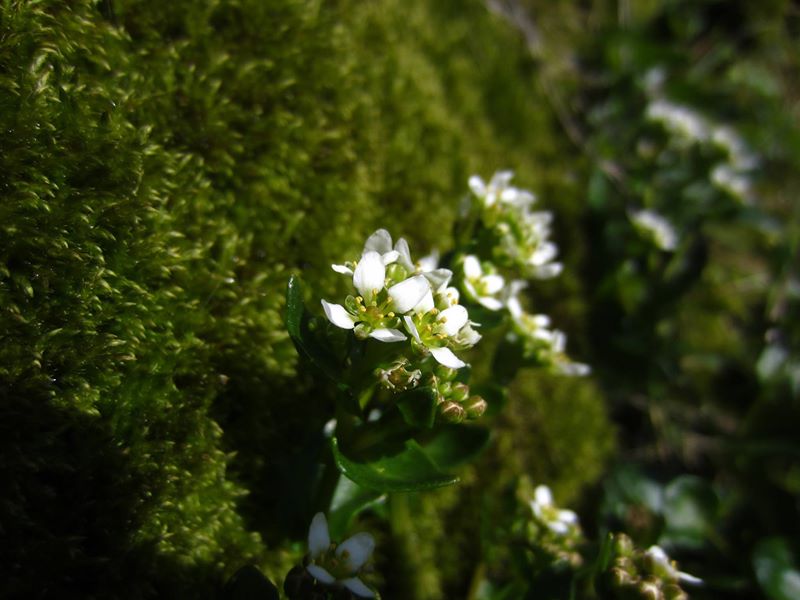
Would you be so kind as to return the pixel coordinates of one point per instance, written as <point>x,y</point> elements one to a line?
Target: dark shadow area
<point>69,507</point>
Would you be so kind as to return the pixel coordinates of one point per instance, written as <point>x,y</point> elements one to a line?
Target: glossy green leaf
<point>249,584</point>
<point>349,499</point>
<point>298,326</point>
<point>406,469</point>
<point>453,445</point>
<point>773,562</point>
<point>418,406</point>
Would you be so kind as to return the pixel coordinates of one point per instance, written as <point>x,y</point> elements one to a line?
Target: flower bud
<point>623,546</point>
<point>398,376</point>
<point>451,412</point>
<point>475,406</point>
<point>620,578</point>
<point>459,392</point>
<point>673,592</point>
<point>650,590</point>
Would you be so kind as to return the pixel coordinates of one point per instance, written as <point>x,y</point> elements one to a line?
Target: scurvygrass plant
<point>397,347</point>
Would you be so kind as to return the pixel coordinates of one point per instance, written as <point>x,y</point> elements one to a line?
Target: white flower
<point>559,521</point>
<point>376,310</point>
<point>662,562</point>
<point>499,192</point>
<point>680,120</point>
<point>482,286</point>
<point>657,227</point>
<point>539,341</point>
<point>434,330</point>
<point>330,564</point>
<point>732,181</point>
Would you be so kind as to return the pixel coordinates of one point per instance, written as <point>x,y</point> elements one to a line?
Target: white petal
<point>404,255</point>
<point>491,303</point>
<point>453,319</point>
<point>387,335</point>
<point>558,527</point>
<point>493,283</point>
<point>390,257</point>
<point>690,579</point>
<point>320,574</point>
<point>472,267</point>
<point>355,585</point>
<point>548,271</point>
<point>439,278</point>
<point>430,262</point>
<point>567,516</point>
<point>370,274</point>
<point>544,253</point>
<point>444,356</point>
<point>380,242</point>
<point>477,186</point>
<point>356,550</point>
<point>407,294</point>
<point>501,179</point>
<point>426,304</point>
<point>343,269</point>
<point>412,329</point>
<point>338,315</point>
<point>318,537</point>
<point>452,295</point>
<point>543,496</point>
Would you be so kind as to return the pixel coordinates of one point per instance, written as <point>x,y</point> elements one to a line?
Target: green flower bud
<point>650,590</point>
<point>451,412</point>
<point>623,546</point>
<point>673,592</point>
<point>459,392</point>
<point>475,406</point>
<point>620,578</point>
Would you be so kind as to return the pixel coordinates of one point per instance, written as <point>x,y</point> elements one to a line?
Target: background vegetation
<point>164,166</point>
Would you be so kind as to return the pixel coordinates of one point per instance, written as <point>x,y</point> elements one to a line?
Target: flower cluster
<point>398,300</point>
<point>689,127</point>
<point>539,342</point>
<point>645,574</point>
<point>555,531</point>
<point>522,234</point>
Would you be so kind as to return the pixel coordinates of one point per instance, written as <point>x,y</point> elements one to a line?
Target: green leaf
<point>298,324</point>
<point>418,406</point>
<point>349,499</point>
<point>773,562</point>
<point>406,469</point>
<point>249,584</point>
<point>453,445</point>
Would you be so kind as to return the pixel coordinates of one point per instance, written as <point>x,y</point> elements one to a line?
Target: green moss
<point>164,167</point>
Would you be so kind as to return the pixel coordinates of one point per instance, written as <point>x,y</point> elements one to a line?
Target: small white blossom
<point>680,120</point>
<point>539,341</point>
<point>482,286</point>
<point>376,310</point>
<point>559,521</point>
<point>434,329</point>
<point>732,181</point>
<point>667,567</point>
<point>330,564</point>
<point>498,191</point>
<point>657,227</point>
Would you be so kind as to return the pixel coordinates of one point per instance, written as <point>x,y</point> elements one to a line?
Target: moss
<point>164,167</point>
